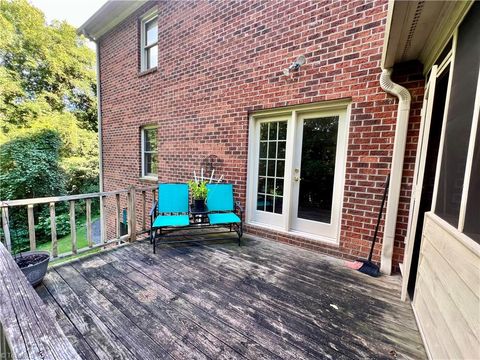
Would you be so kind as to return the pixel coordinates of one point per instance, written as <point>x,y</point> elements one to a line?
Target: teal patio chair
<point>222,208</point>
<point>172,209</point>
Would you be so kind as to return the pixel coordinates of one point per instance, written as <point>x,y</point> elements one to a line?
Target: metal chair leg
<point>154,240</point>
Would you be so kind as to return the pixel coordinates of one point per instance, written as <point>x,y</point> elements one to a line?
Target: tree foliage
<point>44,68</point>
<point>48,119</point>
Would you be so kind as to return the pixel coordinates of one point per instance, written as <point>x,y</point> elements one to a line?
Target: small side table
<point>198,217</point>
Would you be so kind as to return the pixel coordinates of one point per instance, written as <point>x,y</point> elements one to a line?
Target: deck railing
<point>135,199</point>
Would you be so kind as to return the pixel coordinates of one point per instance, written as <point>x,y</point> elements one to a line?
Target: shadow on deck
<point>260,300</point>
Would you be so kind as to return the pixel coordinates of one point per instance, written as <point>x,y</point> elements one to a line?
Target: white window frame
<point>282,223</point>
<point>458,230</point>
<point>148,17</point>
<point>144,175</point>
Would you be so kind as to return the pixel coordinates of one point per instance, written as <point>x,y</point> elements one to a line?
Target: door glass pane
<point>271,171</point>
<point>472,215</point>
<point>319,147</point>
<point>459,118</point>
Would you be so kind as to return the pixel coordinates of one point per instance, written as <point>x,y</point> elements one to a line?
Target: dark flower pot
<point>199,205</point>
<point>34,265</point>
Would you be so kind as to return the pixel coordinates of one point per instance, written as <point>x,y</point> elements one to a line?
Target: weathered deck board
<point>269,285</point>
<point>220,301</point>
<point>30,329</point>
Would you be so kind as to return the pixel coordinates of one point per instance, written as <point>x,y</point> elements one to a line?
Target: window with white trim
<point>149,42</point>
<point>149,152</point>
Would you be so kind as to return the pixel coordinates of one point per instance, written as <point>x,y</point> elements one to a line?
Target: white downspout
<point>396,167</point>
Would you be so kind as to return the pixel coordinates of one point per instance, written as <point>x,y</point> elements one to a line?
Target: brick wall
<point>219,61</point>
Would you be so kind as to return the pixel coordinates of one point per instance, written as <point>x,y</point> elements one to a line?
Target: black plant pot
<point>34,265</point>
<point>199,204</point>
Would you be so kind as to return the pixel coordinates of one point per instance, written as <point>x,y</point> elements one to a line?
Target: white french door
<point>296,171</point>
<point>319,160</point>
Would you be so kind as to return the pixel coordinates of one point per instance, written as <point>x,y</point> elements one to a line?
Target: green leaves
<point>198,189</point>
<point>48,64</point>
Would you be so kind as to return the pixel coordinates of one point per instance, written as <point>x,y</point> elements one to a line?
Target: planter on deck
<point>34,265</point>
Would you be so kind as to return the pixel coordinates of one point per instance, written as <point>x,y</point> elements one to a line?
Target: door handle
<point>297,178</point>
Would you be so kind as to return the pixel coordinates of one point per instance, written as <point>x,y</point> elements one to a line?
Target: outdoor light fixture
<point>295,65</point>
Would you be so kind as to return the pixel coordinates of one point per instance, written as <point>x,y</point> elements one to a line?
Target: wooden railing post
<point>31,228</point>
<point>118,214</point>
<point>88,210</point>
<point>6,229</point>
<point>131,214</point>
<point>53,230</point>
<point>144,209</point>
<point>73,227</point>
<point>103,224</point>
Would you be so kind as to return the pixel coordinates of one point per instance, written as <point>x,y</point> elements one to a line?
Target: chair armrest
<point>238,206</point>
<point>153,210</point>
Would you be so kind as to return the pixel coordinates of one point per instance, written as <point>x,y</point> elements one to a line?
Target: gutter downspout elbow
<point>396,169</point>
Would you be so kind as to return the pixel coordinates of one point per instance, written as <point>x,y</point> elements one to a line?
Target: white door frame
<point>284,225</point>
<point>422,146</point>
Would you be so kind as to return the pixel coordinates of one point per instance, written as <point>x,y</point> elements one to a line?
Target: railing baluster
<point>88,209</point>
<point>103,225</point>
<point>31,228</point>
<point>73,227</point>
<point>53,230</point>
<point>6,229</point>
<point>131,214</point>
<point>118,215</point>
<point>144,209</point>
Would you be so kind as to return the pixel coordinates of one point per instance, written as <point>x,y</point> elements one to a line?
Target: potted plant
<point>34,265</point>
<point>199,194</point>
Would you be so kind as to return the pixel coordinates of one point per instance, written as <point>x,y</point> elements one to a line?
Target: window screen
<point>459,118</point>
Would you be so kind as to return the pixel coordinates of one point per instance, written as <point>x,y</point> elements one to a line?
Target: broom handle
<point>379,218</point>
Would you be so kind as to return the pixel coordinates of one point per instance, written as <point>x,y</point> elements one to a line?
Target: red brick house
<point>192,84</point>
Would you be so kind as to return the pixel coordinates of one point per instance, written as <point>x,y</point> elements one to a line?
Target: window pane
<point>281,150</point>
<point>261,185</point>
<point>151,32</point>
<point>148,163</point>
<point>263,131</point>
<point>270,186</point>
<point>152,57</point>
<point>274,169</point>
<point>472,216</point>
<point>151,164</point>
<point>271,168</point>
<point>278,205</point>
<point>459,118</point>
<point>269,204</point>
<point>282,131</point>
<point>319,147</point>
<point>261,202</point>
<point>263,149</point>
<point>262,168</point>
<point>150,139</point>
<point>272,149</point>
<point>273,131</point>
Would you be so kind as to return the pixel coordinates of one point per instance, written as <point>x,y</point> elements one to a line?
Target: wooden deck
<point>263,300</point>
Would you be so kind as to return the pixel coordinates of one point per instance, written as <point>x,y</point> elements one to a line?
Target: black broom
<point>367,266</point>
